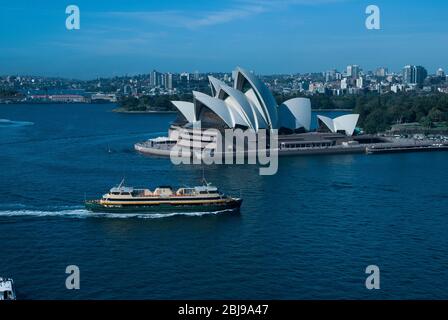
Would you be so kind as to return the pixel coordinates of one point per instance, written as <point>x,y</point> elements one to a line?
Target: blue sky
<point>268,36</point>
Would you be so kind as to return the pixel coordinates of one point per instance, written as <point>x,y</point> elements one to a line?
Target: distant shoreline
<point>121,110</point>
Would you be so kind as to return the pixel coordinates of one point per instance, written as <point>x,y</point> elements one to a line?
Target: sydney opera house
<point>250,105</point>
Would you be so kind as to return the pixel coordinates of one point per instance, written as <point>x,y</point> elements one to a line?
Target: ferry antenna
<point>203,176</point>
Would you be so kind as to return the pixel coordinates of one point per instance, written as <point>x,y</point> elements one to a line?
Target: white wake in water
<point>83,214</point>
<point>5,123</point>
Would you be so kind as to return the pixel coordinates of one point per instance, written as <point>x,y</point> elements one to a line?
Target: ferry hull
<point>231,204</point>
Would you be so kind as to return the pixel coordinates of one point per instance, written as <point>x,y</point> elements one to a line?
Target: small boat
<point>7,291</point>
<point>163,199</point>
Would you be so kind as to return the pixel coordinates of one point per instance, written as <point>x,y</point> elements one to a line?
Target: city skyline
<point>281,37</point>
<point>341,71</point>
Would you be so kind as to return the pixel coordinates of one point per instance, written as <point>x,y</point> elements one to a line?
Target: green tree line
<point>379,112</point>
<point>152,103</point>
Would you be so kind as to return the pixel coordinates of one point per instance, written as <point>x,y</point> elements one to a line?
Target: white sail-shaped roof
<point>262,94</point>
<point>328,122</point>
<point>220,108</point>
<point>239,102</point>
<point>260,122</point>
<point>345,123</point>
<point>215,85</point>
<point>258,111</point>
<point>295,114</point>
<point>187,110</point>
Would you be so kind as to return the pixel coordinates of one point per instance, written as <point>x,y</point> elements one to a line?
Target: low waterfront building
<point>60,98</point>
<point>68,98</point>
<point>104,97</point>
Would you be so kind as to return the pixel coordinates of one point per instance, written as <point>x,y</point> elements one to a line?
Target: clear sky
<point>267,36</point>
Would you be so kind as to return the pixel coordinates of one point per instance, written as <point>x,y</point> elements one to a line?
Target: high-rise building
<point>381,72</point>
<point>185,77</point>
<point>163,80</point>
<point>168,81</point>
<point>360,83</point>
<point>127,90</point>
<point>330,75</point>
<point>349,71</point>
<point>414,75</point>
<point>196,75</point>
<point>420,74</point>
<point>408,74</point>
<point>440,73</point>
<point>155,78</point>
<point>353,71</point>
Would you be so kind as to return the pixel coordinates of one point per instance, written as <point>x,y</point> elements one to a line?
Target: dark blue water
<point>307,232</point>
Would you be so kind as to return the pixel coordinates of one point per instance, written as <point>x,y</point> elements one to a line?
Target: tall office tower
<point>154,78</point>
<point>196,75</point>
<point>127,89</point>
<point>420,75</point>
<point>349,71</point>
<point>353,71</point>
<point>356,71</point>
<point>330,75</point>
<point>440,73</point>
<point>185,77</point>
<point>415,75</point>
<point>408,74</point>
<point>360,83</point>
<point>168,81</point>
<point>381,72</point>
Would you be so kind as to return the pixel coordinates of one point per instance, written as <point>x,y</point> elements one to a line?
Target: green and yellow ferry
<point>163,199</point>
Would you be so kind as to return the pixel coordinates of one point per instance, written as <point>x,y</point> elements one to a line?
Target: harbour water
<point>307,232</point>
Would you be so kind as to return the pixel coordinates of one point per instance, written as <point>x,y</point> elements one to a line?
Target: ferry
<point>7,291</point>
<point>164,199</point>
